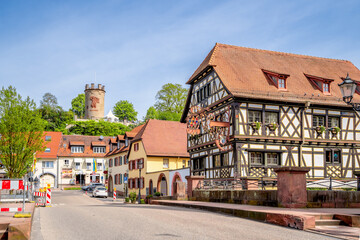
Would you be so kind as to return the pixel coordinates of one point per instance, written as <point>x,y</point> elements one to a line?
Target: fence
<point>12,190</point>
<point>271,184</point>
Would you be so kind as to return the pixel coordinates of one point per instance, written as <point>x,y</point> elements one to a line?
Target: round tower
<point>94,101</point>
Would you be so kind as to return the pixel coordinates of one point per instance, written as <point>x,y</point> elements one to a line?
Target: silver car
<point>100,191</point>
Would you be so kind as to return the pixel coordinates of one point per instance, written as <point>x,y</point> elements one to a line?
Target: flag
<point>34,164</point>
<point>94,165</point>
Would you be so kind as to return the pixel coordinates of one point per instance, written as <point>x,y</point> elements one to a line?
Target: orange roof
<point>76,143</point>
<point>240,70</point>
<point>98,143</point>
<point>163,138</point>
<point>133,132</point>
<point>65,146</point>
<point>116,151</point>
<point>113,140</point>
<point>120,137</point>
<point>53,144</point>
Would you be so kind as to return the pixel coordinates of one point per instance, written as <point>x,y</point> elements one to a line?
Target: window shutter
<point>120,178</point>
<point>136,165</point>
<point>130,165</point>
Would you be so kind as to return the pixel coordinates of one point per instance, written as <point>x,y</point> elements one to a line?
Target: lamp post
<point>348,87</point>
<point>140,165</point>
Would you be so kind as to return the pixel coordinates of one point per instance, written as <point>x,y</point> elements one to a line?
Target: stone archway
<point>162,185</point>
<point>176,178</point>
<point>47,178</point>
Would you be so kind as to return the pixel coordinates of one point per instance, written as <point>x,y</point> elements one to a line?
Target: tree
<point>21,131</point>
<point>78,105</point>
<point>97,128</point>
<point>124,110</point>
<point>49,101</point>
<point>151,113</point>
<point>170,101</point>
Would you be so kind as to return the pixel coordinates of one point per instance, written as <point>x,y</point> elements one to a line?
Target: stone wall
<point>315,199</point>
<point>251,197</point>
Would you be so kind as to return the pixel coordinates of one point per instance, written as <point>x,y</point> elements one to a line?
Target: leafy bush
<point>149,196</point>
<point>97,128</point>
<point>142,201</point>
<point>127,199</point>
<point>132,197</point>
<point>158,194</point>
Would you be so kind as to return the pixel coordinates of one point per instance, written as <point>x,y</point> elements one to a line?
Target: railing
<point>238,184</point>
<point>331,184</point>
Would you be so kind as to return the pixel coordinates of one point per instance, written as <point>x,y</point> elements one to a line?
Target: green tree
<point>124,110</point>
<point>21,131</point>
<point>97,128</point>
<point>49,101</point>
<point>151,113</point>
<point>170,101</point>
<point>78,105</point>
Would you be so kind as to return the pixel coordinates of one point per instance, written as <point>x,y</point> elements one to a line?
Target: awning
<point>89,160</point>
<point>78,160</point>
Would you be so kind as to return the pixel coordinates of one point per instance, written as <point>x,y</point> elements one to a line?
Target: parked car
<point>91,186</point>
<point>99,191</point>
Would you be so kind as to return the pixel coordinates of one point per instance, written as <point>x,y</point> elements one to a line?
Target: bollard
<point>48,196</point>
<point>114,194</point>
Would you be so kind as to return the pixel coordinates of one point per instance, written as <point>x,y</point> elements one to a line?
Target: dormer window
<point>276,79</point>
<point>323,84</point>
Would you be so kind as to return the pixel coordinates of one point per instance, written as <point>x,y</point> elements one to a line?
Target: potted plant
<point>157,194</point>
<point>256,126</point>
<point>272,126</point>
<point>334,130</point>
<point>320,129</point>
<point>148,199</point>
<point>132,197</point>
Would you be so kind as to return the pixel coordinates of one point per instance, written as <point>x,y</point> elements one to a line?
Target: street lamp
<point>140,165</point>
<point>348,87</point>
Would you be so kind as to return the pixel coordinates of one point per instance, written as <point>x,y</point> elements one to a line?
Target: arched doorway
<point>47,178</point>
<point>162,185</point>
<point>110,185</point>
<point>151,187</point>
<point>176,178</point>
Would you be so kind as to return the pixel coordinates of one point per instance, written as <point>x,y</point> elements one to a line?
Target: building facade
<point>158,148</point>
<point>249,111</point>
<point>94,101</point>
<point>82,159</point>
<point>46,164</point>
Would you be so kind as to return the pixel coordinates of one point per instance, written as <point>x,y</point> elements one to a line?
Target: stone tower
<point>94,101</point>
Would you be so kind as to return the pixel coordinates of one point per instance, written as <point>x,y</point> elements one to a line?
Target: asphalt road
<point>77,216</point>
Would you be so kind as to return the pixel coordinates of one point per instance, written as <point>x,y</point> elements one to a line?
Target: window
<point>165,163</point>
<point>281,83</point>
<point>216,161</point>
<point>77,166</point>
<point>254,116</point>
<point>77,149</point>
<point>221,160</point>
<point>47,138</point>
<point>203,93</point>
<point>326,88</point>
<point>66,162</point>
<point>120,160</point>
<point>333,122</point>
<point>110,162</point>
<point>48,164</point>
<point>120,178</point>
<point>333,156</point>
<point>116,162</point>
<point>256,158</point>
<point>318,121</point>
<point>47,150</point>
<point>99,166</point>
<point>99,149</point>
<point>184,163</point>
<point>264,158</point>
<point>323,84</point>
<point>136,147</point>
<point>271,117</point>
<point>276,79</point>
<point>272,159</point>
<point>126,160</point>
<point>198,163</point>
<point>88,166</point>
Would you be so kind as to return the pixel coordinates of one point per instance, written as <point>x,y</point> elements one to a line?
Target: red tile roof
<point>163,138</point>
<point>133,132</point>
<point>240,70</point>
<point>65,147</point>
<point>76,143</point>
<point>98,143</point>
<point>53,144</point>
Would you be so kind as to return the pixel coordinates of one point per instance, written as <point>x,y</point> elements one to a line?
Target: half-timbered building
<point>249,111</point>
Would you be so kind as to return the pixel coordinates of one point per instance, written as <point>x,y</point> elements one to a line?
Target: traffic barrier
<point>10,209</point>
<point>39,198</point>
<point>48,196</point>
<point>114,194</point>
<point>11,184</point>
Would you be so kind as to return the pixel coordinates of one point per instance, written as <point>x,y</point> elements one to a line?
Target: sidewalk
<point>303,218</point>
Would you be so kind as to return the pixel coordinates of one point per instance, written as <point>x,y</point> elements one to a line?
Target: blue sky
<point>135,47</point>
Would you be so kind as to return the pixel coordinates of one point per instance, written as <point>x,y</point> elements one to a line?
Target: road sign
<point>125,179</point>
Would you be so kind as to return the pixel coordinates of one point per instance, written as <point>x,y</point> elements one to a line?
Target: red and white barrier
<point>48,196</point>
<point>11,184</point>
<point>114,195</point>
<point>39,194</point>
<point>10,209</point>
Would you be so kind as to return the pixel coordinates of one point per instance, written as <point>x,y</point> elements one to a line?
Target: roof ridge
<point>213,54</point>
<point>283,53</point>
